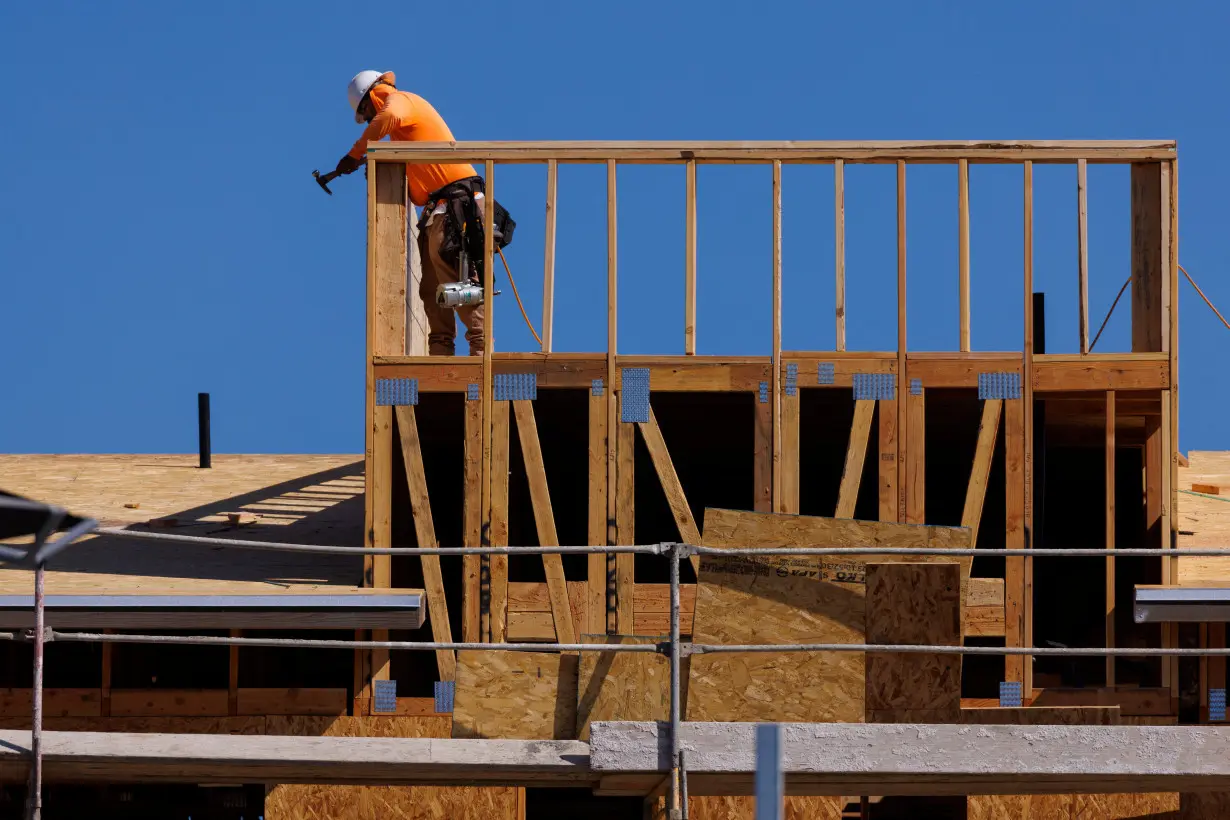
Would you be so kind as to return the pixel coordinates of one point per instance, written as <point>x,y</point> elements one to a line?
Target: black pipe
<point>202,416</point>
<point>1039,323</point>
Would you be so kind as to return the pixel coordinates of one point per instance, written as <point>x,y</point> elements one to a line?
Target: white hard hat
<point>358,88</point>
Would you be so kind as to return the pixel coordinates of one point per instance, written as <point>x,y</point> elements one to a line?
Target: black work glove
<point>347,165</point>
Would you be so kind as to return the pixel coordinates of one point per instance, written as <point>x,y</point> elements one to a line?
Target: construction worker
<point>443,191</point>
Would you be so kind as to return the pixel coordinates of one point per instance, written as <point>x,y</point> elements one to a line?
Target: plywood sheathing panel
<point>622,685</point>
<point>772,600</point>
<point>515,695</point>
<point>1149,806</point>
<point>914,604</point>
<point>1204,522</point>
<point>744,808</point>
<point>310,802</point>
<point>295,498</point>
<point>735,529</point>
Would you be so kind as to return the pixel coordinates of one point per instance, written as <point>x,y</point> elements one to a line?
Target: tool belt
<point>463,225</point>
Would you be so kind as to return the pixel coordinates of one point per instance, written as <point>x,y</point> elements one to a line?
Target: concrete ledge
<point>917,759</point>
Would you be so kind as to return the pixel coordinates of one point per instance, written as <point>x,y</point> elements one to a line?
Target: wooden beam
<point>789,496</point>
<point>689,263</point>
<point>856,454</point>
<point>839,234</point>
<point>616,565</point>
<point>1150,255</point>
<point>596,569</point>
<point>889,463</point>
<point>1082,254</point>
<point>1110,533</point>
<point>903,440</point>
<point>1014,536</point>
<point>963,251</point>
<point>498,615</point>
<point>625,563</point>
<point>671,485</point>
<point>491,615</point>
<point>976,491</point>
<point>821,152</point>
<point>544,519</point>
<point>472,524</point>
<point>425,530</point>
<point>776,384</point>
<point>916,460</point>
<point>548,272</point>
<point>1027,392</point>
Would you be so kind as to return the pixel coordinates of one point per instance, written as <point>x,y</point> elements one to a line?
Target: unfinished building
<point>943,451</point>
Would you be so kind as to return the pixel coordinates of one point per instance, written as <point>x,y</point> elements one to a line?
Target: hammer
<point>324,180</point>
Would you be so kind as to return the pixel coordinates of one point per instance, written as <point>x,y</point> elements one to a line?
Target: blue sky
<point>160,234</point>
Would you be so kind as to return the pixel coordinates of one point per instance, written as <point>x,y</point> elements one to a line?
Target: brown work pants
<point>441,324</point>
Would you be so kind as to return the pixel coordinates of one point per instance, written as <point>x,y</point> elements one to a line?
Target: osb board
<point>1158,806</point>
<point>744,808</point>
<point>1204,522</point>
<point>371,726</point>
<point>745,601</point>
<point>313,802</point>
<point>623,685</point>
<point>913,604</point>
<point>292,499</point>
<point>1043,716</point>
<point>733,528</point>
<point>772,600</point>
<point>515,695</point>
<point>141,725</point>
<point>56,702</point>
<point>391,803</point>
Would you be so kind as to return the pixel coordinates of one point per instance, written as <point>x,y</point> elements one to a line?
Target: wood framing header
<point>862,151</point>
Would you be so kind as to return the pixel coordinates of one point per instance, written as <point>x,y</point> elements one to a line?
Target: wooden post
<point>596,570</point>
<point>1110,533</point>
<point>788,501</point>
<point>472,524</point>
<point>1082,255</point>
<point>1170,573</point>
<point>776,384</point>
<point>1027,393</point>
<point>1150,256</point>
<point>689,264</point>
<point>903,433</point>
<point>625,563</point>
<point>493,568</point>
<point>548,272</point>
<point>888,460</point>
<point>916,459</point>
<point>963,250</point>
<point>1014,537</point>
<point>386,336</point>
<point>839,210</point>
<point>498,565</point>
<point>1170,319</point>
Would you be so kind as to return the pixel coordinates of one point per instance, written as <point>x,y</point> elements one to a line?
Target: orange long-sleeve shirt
<point>401,115</point>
